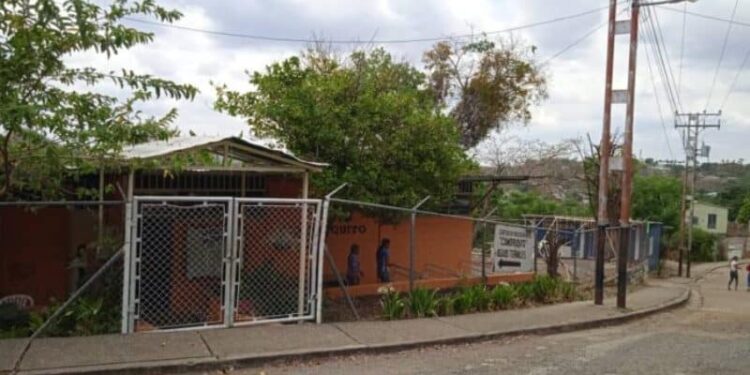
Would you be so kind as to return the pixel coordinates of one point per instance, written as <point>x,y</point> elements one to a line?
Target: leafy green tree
<point>743,216</point>
<point>733,196</point>
<point>54,117</point>
<point>367,115</point>
<point>484,85</point>
<point>515,204</point>
<point>657,198</point>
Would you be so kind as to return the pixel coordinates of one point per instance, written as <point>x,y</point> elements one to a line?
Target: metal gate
<point>201,262</point>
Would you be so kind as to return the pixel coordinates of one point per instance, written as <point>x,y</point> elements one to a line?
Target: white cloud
<point>576,82</point>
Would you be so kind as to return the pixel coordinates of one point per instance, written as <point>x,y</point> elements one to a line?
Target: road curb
<point>212,363</point>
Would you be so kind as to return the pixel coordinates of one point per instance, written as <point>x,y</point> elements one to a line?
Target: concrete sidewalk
<point>212,349</point>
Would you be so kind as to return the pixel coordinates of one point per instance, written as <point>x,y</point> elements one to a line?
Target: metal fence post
<point>231,272</point>
<point>484,254</point>
<point>127,251</point>
<point>321,249</point>
<point>536,248</point>
<point>303,248</point>
<point>484,246</point>
<point>412,242</point>
<point>574,249</point>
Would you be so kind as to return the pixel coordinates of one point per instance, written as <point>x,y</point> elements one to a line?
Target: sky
<point>575,78</point>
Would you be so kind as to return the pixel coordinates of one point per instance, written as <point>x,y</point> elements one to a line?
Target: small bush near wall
<point>704,247</point>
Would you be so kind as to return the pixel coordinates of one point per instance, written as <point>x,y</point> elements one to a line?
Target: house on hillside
<point>711,218</point>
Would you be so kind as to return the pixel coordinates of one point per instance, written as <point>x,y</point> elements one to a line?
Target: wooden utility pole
<point>627,156</point>
<point>604,150</point>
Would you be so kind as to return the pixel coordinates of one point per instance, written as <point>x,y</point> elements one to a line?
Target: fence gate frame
<point>309,290</point>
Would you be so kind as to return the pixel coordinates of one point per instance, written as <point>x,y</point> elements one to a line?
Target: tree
<point>524,157</point>
<point>485,85</point>
<point>514,204</point>
<point>53,117</point>
<point>367,115</point>
<point>657,198</point>
<point>590,163</point>
<point>743,216</point>
<point>733,195</point>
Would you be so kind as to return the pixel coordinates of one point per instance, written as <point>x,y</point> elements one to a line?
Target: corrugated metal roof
<point>155,149</point>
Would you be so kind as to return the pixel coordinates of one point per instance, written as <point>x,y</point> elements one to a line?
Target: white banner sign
<point>513,249</point>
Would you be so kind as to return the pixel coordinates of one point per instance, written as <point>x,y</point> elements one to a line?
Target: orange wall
<point>440,241</point>
<point>37,246</point>
<point>33,252</point>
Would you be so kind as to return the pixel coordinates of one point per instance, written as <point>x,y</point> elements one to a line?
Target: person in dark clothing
<point>733,273</point>
<point>353,269</point>
<point>382,257</point>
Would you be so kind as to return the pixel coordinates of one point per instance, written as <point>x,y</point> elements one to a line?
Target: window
<point>711,221</point>
<point>204,248</point>
<point>695,220</point>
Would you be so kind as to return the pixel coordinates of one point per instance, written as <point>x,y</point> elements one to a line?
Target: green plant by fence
<point>426,302</point>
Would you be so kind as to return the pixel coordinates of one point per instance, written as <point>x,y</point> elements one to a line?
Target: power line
<point>708,17</point>
<point>682,47</point>
<point>580,40</point>
<point>356,41</point>
<point>666,78</point>
<point>735,80</point>
<point>575,43</point>
<point>656,96</point>
<point>658,102</point>
<point>721,56</point>
<point>650,35</point>
<point>655,18</point>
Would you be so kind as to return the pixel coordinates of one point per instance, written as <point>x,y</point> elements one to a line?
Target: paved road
<point>710,336</point>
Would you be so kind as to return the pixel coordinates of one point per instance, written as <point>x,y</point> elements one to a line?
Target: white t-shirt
<point>733,266</point>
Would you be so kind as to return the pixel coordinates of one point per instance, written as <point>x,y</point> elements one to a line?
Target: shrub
<point>703,247</point>
<point>524,293</point>
<point>84,317</point>
<point>568,291</point>
<point>469,299</point>
<point>446,305</point>
<point>503,296</point>
<point>545,288</point>
<point>422,302</point>
<point>391,302</point>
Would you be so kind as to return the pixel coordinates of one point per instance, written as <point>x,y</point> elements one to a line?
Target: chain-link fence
<point>178,262</point>
<point>372,245</point>
<point>215,261</point>
<point>276,257</point>
<point>576,242</point>
<point>187,262</point>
